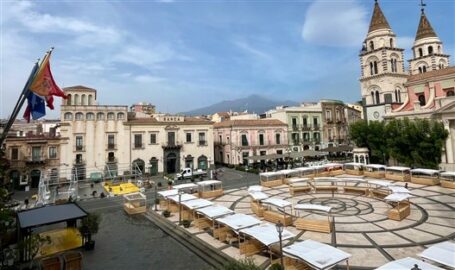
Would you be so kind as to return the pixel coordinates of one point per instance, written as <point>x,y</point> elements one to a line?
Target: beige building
<point>109,139</point>
<point>337,117</point>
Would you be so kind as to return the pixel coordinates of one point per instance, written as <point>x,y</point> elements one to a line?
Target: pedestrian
<point>26,202</point>
<point>56,190</point>
<point>416,267</point>
<point>406,185</point>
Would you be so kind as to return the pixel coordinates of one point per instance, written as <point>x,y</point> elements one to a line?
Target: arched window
<point>79,116</point>
<point>422,100</point>
<point>430,49</point>
<point>424,69</point>
<point>371,68</point>
<point>371,45</point>
<point>391,43</point>
<point>439,49</point>
<point>377,98</point>
<point>68,116</point>
<point>396,95</point>
<point>90,116</point>
<point>420,69</point>
<point>90,100</point>
<point>120,116</point>
<point>202,162</point>
<point>76,99</point>
<point>111,116</point>
<point>420,52</point>
<point>393,63</point>
<point>372,97</point>
<point>83,101</point>
<point>68,100</point>
<point>100,116</point>
<point>375,64</point>
<point>399,95</point>
<point>450,93</point>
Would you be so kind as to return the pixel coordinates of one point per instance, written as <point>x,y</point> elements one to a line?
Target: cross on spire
<point>422,5</point>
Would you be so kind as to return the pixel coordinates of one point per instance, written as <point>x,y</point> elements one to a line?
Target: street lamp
<point>180,206</point>
<point>156,196</point>
<point>279,229</point>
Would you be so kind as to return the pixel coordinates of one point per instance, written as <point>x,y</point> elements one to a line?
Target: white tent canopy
<point>381,183</point>
<point>209,182</point>
<point>398,197</point>
<point>277,202</point>
<point>375,166</point>
<point>258,195</point>
<point>255,188</point>
<point>443,253</point>
<point>399,189</point>
<point>317,255</point>
<point>448,174</point>
<point>268,174</point>
<point>167,193</point>
<point>197,203</point>
<point>183,197</point>
<point>397,168</point>
<point>425,171</point>
<point>215,211</point>
<point>238,221</point>
<point>407,264</point>
<point>308,206</point>
<point>185,186</point>
<point>266,234</point>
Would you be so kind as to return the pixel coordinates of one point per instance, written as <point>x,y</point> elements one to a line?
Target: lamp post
<point>279,229</point>
<point>156,196</point>
<point>180,207</point>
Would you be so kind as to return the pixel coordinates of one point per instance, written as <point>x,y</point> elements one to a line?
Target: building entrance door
<point>171,162</point>
<point>35,176</point>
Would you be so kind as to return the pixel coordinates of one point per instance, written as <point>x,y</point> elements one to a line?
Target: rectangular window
<point>244,140</point>
<point>315,122</point>
<point>279,152</point>
<point>110,141</point>
<point>245,158</point>
<point>328,115</point>
<point>188,137</point>
<point>261,139</point>
<point>153,138</point>
<point>305,121</point>
<point>36,153</point>
<point>14,153</point>
<point>202,138</point>
<point>317,137</point>
<point>338,115</point>
<point>221,139</point>
<point>137,140</point>
<point>79,143</point>
<point>306,136</point>
<point>52,152</point>
<point>171,138</point>
<point>278,138</point>
<point>294,123</point>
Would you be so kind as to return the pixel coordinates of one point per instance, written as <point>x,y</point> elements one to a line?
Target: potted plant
<point>89,227</point>
<point>186,223</point>
<point>276,266</point>
<point>166,213</point>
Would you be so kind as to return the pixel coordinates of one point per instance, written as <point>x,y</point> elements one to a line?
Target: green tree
<point>372,136</point>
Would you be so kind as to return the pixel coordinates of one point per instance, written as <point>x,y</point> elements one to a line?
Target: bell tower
<point>382,67</point>
<point>428,49</point>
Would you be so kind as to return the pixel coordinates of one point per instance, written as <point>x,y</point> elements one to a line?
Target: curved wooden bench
<point>324,226</point>
<point>303,189</point>
<point>257,209</point>
<point>274,217</point>
<point>326,188</point>
<point>378,193</point>
<point>400,212</point>
<point>356,190</point>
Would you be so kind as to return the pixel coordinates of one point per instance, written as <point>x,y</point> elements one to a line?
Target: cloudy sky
<point>181,55</point>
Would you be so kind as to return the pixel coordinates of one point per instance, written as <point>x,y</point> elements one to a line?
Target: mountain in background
<point>254,104</point>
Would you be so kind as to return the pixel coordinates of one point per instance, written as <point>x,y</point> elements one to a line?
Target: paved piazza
<point>361,224</point>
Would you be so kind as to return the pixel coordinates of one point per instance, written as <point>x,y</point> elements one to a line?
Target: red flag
<point>43,84</point>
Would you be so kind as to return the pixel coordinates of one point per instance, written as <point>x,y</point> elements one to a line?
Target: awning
<point>398,197</point>
<point>197,203</point>
<point>258,195</point>
<point>425,171</point>
<point>308,153</point>
<point>215,211</point>
<point>397,168</point>
<point>399,189</point>
<point>317,255</point>
<point>167,193</point>
<point>277,202</point>
<point>266,234</point>
<point>443,253</point>
<point>49,214</point>
<point>238,221</point>
<point>340,148</point>
<point>407,264</point>
<point>183,197</point>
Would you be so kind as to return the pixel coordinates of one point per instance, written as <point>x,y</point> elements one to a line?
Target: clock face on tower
<point>376,115</point>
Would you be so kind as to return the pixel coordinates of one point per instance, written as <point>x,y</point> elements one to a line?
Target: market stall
<point>256,204</point>
<point>135,203</point>
<point>325,184</point>
<point>334,169</point>
<point>354,185</point>
<point>397,173</point>
<point>320,171</point>
<point>313,222</point>
<point>205,217</point>
<point>227,228</point>
<point>289,174</point>
<point>210,188</point>
<point>305,172</point>
<point>441,253</point>
<point>271,179</point>
<point>163,195</point>
<point>353,168</point>
<point>401,206</point>
<point>408,263</point>
<point>310,254</point>
<point>260,238</point>
<point>374,171</point>
<point>174,201</point>
<point>447,179</point>
<point>189,207</point>
<point>298,185</point>
<point>189,188</point>
<point>278,210</point>
<point>379,188</point>
<point>425,177</point>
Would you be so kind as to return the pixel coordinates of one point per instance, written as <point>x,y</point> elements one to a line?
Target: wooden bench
<point>274,217</point>
<point>356,190</point>
<point>378,193</point>
<point>297,189</point>
<point>324,226</point>
<point>203,223</point>
<point>400,212</point>
<point>250,247</point>
<point>326,188</point>
<point>257,208</point>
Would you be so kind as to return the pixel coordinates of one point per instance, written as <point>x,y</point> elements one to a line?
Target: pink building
<point>236,141</point>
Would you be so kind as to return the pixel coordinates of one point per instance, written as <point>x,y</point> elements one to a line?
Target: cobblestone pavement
<point>362,227</point>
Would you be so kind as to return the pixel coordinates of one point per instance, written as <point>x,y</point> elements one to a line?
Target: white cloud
<point>251,50</point>
<point>148,79</point>
<point>332,23</point>
<point>145,57</point>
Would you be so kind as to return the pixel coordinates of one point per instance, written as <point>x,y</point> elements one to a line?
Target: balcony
<point>295,127</point>
<point>111,146</point>
<point>202,143</point>
<point>79,161</point>
<point>79,148</point>
<point>35,159</point>
<point>329,121</point>
<point>111,160</point>
<point>306,127</point>
<point>138,146</point>
<point>316,126</point>
<point>172,145</point>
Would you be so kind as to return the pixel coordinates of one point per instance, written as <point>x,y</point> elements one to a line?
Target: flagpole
<point>19,104</point>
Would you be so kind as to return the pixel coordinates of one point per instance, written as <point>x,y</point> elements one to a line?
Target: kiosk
<point>189,207</point>
<point>398,173</point>
<point>306,172</point>
<point>227,228</point>
<point>355,185</point>
<point>135,203</point>
<point>205,217</point>
<point>425,177</point>
<point>325,184</point>
<point>276,211</point>
<point>334,169</point>
<point>261,238</point>
<point>401,206</point>
<point>407,264</point>
<point>256,204</point>
<point>298,185</point>
<point>374,171</point>
<point>163,195</point>
<point>210,188</point>
<point>447,179</point>
<point>175,200</point>
<point>353,168</point>
<point>189,188</point>
<point>379,188</point>
<point>309,224</point>
<point>271,179</point>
